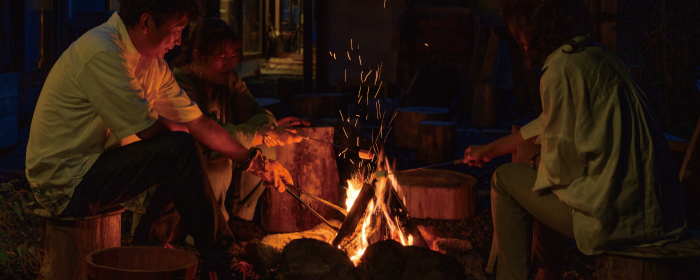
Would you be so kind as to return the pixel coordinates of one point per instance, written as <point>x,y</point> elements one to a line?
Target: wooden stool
<point>437,142</point>
<point>674,261</point>
<point>407,119</point>
<point>66,242</point>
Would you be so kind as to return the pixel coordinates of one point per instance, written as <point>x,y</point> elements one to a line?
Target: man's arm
<point>212,135</point>
<point>159,127</point>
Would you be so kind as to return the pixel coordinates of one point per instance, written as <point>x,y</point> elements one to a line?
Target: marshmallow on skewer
<point>365,154</point>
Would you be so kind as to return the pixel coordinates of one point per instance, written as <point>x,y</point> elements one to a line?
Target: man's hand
<point>526,150</point>
<point>280,135</point>
<point>271,172</point>
<point>476,155</point>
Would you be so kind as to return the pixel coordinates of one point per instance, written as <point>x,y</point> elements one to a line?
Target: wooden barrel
<point>67,241</point>
<point>437,142</point>
<point>406,123</point>
<point>313,169</point>
<point>438,194</point>
<point>141,263</point>
<point>317,106</point>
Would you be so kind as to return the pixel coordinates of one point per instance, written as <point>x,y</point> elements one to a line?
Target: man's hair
<point>210,35</point>
<point>545,25</point>
<point>161,10</point>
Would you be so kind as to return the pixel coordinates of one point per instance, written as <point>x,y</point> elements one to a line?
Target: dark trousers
<point>172,161</point>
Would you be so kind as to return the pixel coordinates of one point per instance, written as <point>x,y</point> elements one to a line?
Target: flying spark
<point>380,87</point>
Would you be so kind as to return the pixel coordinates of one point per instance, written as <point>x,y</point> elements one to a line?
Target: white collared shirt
<point>92,101</point>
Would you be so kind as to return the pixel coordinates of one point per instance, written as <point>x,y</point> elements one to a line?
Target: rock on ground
<point>390,260</point>
<point>311,259</point>
<point>270,248</point>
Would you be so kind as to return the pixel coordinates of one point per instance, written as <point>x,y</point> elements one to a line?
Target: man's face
<point>163,39</point>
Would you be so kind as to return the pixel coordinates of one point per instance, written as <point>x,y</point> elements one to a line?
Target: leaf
<point>3,257</point>
<point>32,251</point>
<point>21,251</point>
<point>18,211</point>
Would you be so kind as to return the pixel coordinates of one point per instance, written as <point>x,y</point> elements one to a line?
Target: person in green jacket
<point>205,71</point>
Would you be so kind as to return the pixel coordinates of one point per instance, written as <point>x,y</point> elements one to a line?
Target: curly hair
<point>545,25</point>
<point>161,10</point>
<point>210,34</point>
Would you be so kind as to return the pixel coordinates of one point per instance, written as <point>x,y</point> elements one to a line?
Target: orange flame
<point>375,211</point>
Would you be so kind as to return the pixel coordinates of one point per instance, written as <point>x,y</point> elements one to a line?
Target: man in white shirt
<point>110,88</point>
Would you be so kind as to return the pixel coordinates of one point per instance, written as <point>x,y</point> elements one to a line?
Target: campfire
<point>376,212</point>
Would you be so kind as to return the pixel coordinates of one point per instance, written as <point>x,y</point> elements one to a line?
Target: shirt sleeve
<point>113,90</point>
<point>561,162</point>
<point>532,129</point>
<point>172,102</point>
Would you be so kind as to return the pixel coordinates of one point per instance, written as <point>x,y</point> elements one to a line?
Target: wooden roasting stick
<point>313,211</point>
<point>336,207</point>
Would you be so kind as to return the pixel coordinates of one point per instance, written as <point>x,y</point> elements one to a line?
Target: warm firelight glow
<point>354,187</point>
<point>375,211</point>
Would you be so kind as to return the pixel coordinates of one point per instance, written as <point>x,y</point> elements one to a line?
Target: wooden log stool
<point>313,168</point>
<point>438,194</point>
<point>437,142</point>
<point>406,123</point>
<point>317,106</point>
<point>674,261</point>
<point>66,242</point>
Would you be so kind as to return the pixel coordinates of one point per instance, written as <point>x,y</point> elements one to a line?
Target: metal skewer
<point>457,161</point>
<point>313,211</point>
<point>336,207</point>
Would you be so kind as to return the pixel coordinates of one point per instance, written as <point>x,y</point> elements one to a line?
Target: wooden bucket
<point>438,194</point>
<point>140,263</point>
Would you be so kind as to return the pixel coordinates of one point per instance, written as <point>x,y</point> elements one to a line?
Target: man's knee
<point>505,173</point>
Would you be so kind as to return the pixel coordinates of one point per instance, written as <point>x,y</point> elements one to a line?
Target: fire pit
<point>377,239</point>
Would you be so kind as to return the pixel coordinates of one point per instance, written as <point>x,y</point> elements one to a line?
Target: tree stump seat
<point>676,260</point>
<point>67,240</point>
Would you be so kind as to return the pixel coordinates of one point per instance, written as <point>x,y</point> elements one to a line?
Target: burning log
<point>358,210</point>
<point>313,169</point>
<point>438,194</point>
<point>399,210</point>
